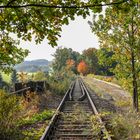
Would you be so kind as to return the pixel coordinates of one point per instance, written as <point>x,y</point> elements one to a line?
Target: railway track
<point>72,120</point>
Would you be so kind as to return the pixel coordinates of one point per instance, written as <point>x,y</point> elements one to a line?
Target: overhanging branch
<point>57,6</point>
<point>10,2</point>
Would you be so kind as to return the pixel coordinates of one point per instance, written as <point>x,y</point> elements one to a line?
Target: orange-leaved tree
<point>82,67</point>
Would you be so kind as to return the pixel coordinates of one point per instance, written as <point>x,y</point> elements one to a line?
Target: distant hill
<point>33,66</point>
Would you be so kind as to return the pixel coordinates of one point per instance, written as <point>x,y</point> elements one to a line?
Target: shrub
<point>30,104</point>
<point>9,110</point>
<point>125,126</point>
<point>59,82</point>
<point>60,87</point>
<point>119,127</point>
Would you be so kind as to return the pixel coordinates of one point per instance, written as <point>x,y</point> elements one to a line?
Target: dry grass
<point>105,90</point>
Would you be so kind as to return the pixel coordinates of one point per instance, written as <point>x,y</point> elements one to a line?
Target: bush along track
<point>22,120</point>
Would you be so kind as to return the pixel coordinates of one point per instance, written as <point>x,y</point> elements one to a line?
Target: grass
<point>125,126</point>
<point>33,127</point>
<point>45,115</point>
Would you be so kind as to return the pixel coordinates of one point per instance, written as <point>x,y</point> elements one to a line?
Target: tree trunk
<point>135,88</point>
<point>133,61</point>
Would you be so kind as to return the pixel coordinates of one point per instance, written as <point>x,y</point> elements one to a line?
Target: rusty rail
<point>50,129</point>
<point>55,116</point>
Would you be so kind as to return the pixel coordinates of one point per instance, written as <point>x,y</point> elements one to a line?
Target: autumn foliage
<point>70,63</point>
<point>82,67</point>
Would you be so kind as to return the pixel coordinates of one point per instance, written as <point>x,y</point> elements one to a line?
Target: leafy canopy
<point>44,18</point>
<point>41,18</point>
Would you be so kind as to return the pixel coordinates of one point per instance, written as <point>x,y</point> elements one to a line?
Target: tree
<point>10,54</point>
<point>44,18</point>
<point>120,32</point>
<point>106,61</point>
<point>99,61</point>
<point>82,68</point>
<point>41,19</point>
<point>14,77</point>
<point>90,57</point>
<point>61,58</point>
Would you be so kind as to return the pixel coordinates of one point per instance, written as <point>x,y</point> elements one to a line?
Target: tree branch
<point>10,2</point>
<point>57,6</point>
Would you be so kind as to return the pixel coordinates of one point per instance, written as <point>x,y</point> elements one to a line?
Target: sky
<point>77,35</point>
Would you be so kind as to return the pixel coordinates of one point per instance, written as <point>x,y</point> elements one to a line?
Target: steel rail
<point>104,130</point>
<point>83,96</point>
<point>55,116</point>
<point>71,91</point>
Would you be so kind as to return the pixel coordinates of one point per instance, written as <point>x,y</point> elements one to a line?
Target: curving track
<point>72,118</point>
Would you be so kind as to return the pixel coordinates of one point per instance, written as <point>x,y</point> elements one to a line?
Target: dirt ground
<point>49,100</point>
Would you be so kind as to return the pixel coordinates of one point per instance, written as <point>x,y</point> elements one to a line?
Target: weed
<point>97,127</point>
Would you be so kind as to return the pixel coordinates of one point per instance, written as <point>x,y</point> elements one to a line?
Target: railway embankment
<point>115,107</point>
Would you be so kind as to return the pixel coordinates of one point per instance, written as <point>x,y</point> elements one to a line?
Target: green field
<point>7,77</point>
